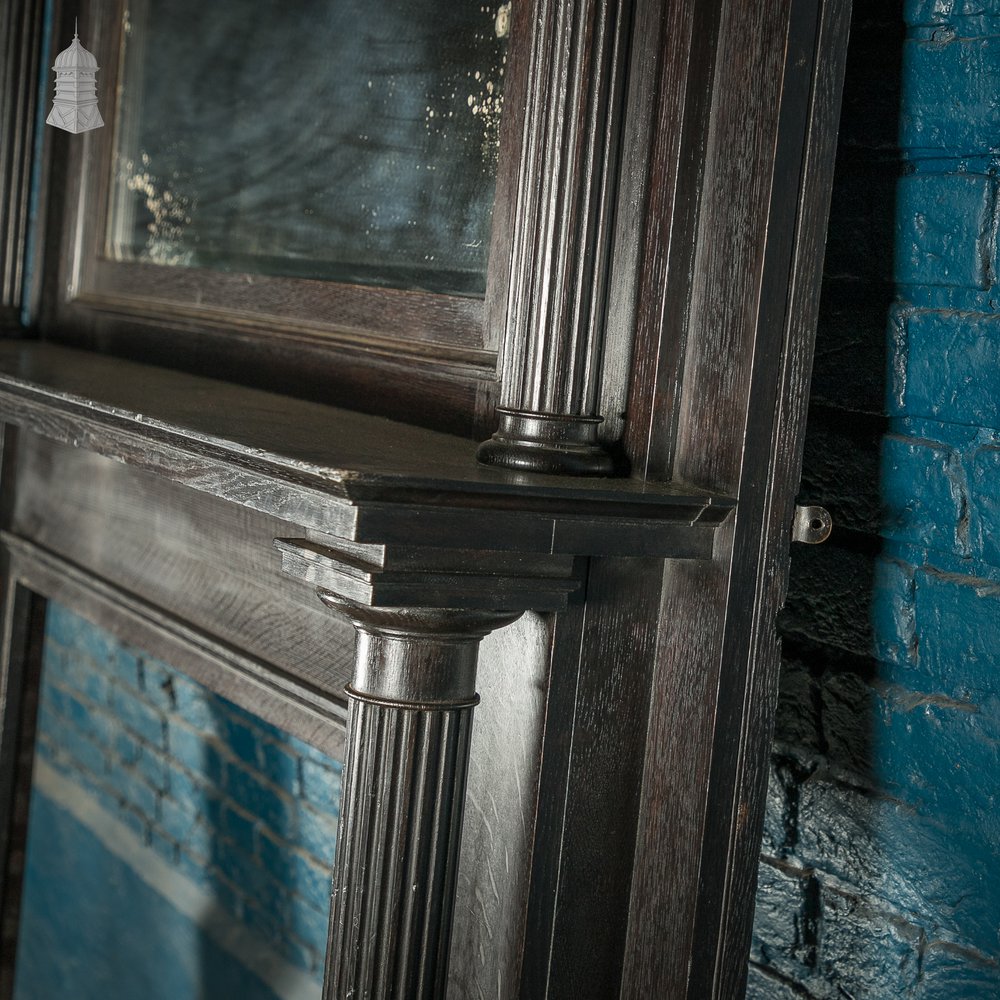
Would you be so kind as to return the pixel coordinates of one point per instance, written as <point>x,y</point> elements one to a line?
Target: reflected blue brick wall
<point>191,809</point>
<point>878,875</point>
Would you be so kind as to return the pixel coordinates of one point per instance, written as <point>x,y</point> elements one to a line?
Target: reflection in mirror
<point>352,141</point>
<point>178,846</point>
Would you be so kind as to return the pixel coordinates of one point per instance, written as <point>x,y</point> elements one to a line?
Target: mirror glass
<point>348,141</point>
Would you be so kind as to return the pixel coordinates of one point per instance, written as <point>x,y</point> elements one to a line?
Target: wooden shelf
<point>337,471</point>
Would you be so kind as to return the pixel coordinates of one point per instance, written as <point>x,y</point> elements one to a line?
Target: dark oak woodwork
<point>430,359</point>
<point>563,227</point>
<point>20,54</point>
<point>664,180</point>
<point>408,742</point>
<point>740,382</point>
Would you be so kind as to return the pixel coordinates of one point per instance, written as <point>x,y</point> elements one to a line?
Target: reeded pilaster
<point>553,351</point>
<point>412,701</point>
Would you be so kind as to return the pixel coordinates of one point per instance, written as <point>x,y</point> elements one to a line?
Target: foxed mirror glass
<point>354,142</point>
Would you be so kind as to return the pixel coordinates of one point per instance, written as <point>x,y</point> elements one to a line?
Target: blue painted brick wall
<point>881,851</point>
<point>242,809</point>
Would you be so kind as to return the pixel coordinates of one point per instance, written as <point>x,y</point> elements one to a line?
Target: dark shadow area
<point>823,746</point>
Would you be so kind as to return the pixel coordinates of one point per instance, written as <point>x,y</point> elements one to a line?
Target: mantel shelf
<point>312,464</point>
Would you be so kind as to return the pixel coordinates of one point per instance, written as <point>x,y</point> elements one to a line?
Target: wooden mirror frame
<point>667,228</point>
<point>386,350</point>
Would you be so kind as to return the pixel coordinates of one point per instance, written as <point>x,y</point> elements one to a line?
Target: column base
<point>555,444</point>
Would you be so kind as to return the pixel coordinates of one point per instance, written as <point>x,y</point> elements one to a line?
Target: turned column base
<point>551,443</point>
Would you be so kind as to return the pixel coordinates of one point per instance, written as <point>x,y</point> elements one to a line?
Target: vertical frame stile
<point>21,28</point>
<point>20,672</point>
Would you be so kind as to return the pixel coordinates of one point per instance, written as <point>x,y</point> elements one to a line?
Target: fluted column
<point>564,220</point>
<point>412,699</point>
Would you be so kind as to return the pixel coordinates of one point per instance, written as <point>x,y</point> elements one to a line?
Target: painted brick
<point>883,781</point>
<point>154,767</point>
<point>61,624</point>
<point>944,225</point>
<point>185,787</point>
<point>135,821</point>
<point>269,804</point>
<point>967,70</point>
<point>321,784</point>
<point>265,921</point>
<point>238,827</point>
<point>848,369</point>
<point>924,494</point>
<point>841,472</point>
<point>158,683</point>
<point>53,698</point>
<point>76,673</point>
<point>827,600</point>
<point>318,833</point>
<point>955,973</point>
<point>240,739</point>
<point>893,611</point>
<point>275,855</point>
<point>187,827</point>
<point>260,726</point>
<point>133,789</point>
<point>279,765</point>
<point>958,621</point>
<point>189,748</point>
<point>88,719</point>
<point>310,926</point>
<point>953,367</point>
<point>193,865</point>
<point>143,720</point>
<point>936,758</point>
<point>127,747</point>
<point>194,704</point>
<point>165,846</point>
<point>984,503</point>
<point>243,870</point>
<point>865,950</point>
<point>892,855</point>
<point>175,755</point>
<point>84,752</point>
<point>124,665</point>
<point>847,722</point>
<point>863,202</point>
<point>311,881</point>
<point>917,12</point>
<point>783,941</point>
<point>763,984</point>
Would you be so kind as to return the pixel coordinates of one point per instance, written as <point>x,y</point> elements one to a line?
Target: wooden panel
<point>500,806</point>
<point>647,379</point>
<point>748,351</point>
<point>206,562</point>
<point>603,658</point>
<point>20,54</point>
<point>739,765</point>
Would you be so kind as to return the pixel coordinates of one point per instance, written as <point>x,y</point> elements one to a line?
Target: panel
<point>208,563</point>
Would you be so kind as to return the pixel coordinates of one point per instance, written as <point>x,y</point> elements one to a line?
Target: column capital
<point>416,657</point>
